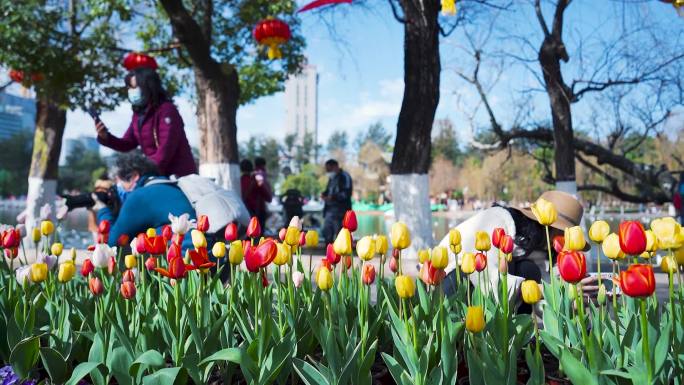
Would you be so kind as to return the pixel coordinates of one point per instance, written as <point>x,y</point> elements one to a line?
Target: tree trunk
<point>47,145</point>
<point>411,157</point>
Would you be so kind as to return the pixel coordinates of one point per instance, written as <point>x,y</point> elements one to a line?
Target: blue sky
<point>361,79</point>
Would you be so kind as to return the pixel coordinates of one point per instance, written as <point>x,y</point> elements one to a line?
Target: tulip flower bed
<point>167,318</point>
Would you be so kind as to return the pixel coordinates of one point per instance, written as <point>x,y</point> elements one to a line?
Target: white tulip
<point>181,224</point>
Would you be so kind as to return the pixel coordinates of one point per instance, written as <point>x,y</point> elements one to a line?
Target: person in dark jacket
<point>149,200</point>
<point>156,127</point>
<point>337,199</point>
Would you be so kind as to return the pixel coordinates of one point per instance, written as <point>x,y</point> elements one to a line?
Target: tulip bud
<point>394,265</point>
<point>140,244</point>
<point>95,286</point>
<point>440,257</point>
<point>454,237</point>
<point>203,223</point>
<point>198,239</point>
<point>39,272</point>
<point>349,221</point>
<point>66,272</point>
<point>151,232</point>
<point>283,255</point>
<point>311,238</point>
<point>130,261</point>
<point>632,237</point>
<point>456,249</point>
<point>531,293</point>
<point>572,266</point>
<point>123,240</point>
<point>281,234</point>
<point>558,243</point>
<point>128,276</point>
<point>111,266</point>
<point>324,279</point>
<point>72,253</point>
<point>297,278</point>
<point>47,227</point>
<point>231,232</point>
<point>292,236</point>
<point>150,263</point>
<point>406,287</point>
<point>218,250</point>
<point>57,249</point>
<point>638,281</point>
<point>601,296</point>
<point>668,265</point>
<point>128,290</point>
<point>468,263</point>
<point>544,211</point>
<point>365,248</point>
<point>611,247</point>
<point>423,255</point>
<point>381,246</point>
<point>574,239</point>
<point>475,321</point>
<point>400,236</point>
<point>254,228</point>
<point>480,262</point>
<point>598,231</point>
<point>506,245</point>
<point>35,235</point>
<point>87,267</point>
<point>368,274</point>
<point>343,244</point>
<point>235,254</point>
<point>482,242</point>
<point>347,261</point>
<point>497,234</point>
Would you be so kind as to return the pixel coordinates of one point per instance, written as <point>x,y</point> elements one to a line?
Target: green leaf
<point>82,370</point>
<point>150,358</point>
<point>118,363</point>
<point>54,364</point>
<point>24,356</point>
<point>577,373</point>
<point>308,373</point>
<point>167,376</point>
<point>394,368</point>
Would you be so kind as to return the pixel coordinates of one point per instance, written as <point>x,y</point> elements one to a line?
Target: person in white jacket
<point>530,256</point>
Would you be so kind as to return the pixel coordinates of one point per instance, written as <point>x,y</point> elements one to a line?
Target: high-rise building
<point>16,114</point>
<point>301,104</point>
<point>82,143</point>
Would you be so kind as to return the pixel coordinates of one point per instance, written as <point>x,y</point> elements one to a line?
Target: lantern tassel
<point>274,52</point>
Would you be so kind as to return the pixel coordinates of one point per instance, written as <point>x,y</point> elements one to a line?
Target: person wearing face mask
<point>156,126</point>
<point>149,199</point>
<point>337,199</point>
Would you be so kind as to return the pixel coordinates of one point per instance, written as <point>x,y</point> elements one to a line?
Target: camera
<point>108,196</point>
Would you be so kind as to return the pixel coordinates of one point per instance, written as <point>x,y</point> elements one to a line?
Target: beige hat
<point>568,208</point>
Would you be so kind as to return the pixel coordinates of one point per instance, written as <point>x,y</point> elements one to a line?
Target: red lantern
<point>16,76</point>
<point>139,60</point>
<point>272,33</point>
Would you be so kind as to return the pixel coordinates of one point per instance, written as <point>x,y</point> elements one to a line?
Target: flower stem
<point>588,345</point>
<point>551,277</point>
<point>644,341</point>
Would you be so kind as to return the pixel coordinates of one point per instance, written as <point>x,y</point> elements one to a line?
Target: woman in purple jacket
<point>156,127</point>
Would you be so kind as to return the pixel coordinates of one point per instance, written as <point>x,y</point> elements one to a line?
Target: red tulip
<point>497,234</point>
<point>480,262</point>
<point>394,264</point>
<point>95,286</point>
<point>111,265</point>
<point>431,275</point>
<point>167,233</point>
<point>638,280</point>
<point>558,243</point>
<point>349,221</point>
<point>150,263</point>
<point>128,276</point>
<point>90,247</point>
<point>140,243</point>
<point>282,233</point>
<point>123,240</point>
<point>128,290</point>
<point>368,274</point>
<point>347,261</point>
<point>254,228</point>
<point>155,245</point>
<point>173,252</point>
<point>200,259</point>
<point>395,253</point>
<point>632,237</point>
<point>11,238</point>
<point>103,227</point>
<point>12,252</point>
<point>331,256</point>
<point>325,263</point>
<point>231,232</point>
<point>260,256</point>
<point>87,267</point>
<point>572,266</point>
<point>506,244</point>
<point>203,223</point>
<point>102,238</point>
<point>177,269</point>
<point>302,238</point>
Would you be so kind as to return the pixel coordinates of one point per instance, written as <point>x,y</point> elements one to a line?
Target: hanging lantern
<point>272,33</point>
<point>448,7</point>
<point>678,4</point>
<point>135,60</point>
<point>319,3</point>
<point>20,77</point>
<point>16,76</point>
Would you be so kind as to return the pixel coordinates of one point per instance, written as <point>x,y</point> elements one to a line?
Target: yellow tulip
<point>668,265</point>
<point>311,238</point>
<point>468,263</point>
<point>455,248</point>
<point>219,250</point>
<point>651,245</point>
<point>343,244</point>
<point>39,272</point>
<point>324,279</point>
<point>57,249</point>
<point>423,255</point>
<point>151,232</point>
<point>440,257</point>
<point>198,239</point>
<point>66,272</point>
<point>400,236</point>
<point>283,254</point>
<point>47,227</point>
<point>611,247</point>
<point>668,232</point>
<point>292,236</point>
<point>72,254</point>
<point>381,245</point>
<point>130,261</point>
<point>405,286</point>
<point>235,254</point>
<point>35,235</point>
<point>454,237</point>
<point>475,321</point>
<point>544,211</point>
<point>482,242</point>
<point>531,293</point>
<point>365,248</point>
<point>598,231</point>
<point>574,239</point>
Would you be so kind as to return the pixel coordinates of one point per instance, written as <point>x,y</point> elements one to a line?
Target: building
<point>17,114</point>
<point>84,143</point>
<point>301,104</point>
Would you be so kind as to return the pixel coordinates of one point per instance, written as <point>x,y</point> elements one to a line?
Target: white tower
<point>301,104</point>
